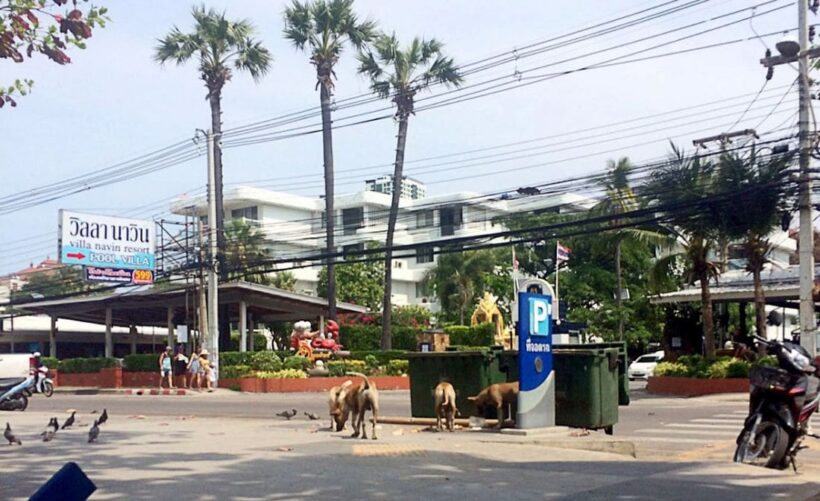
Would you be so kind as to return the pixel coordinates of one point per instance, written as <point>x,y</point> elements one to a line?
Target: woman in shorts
<point>193,371</point>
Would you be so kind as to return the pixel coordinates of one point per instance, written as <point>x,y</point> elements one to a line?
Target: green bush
<point>767,361</point>
<point>86,365</point>
<point>361,337</point>
<point>297,363</point>
<point>265,361</point>
<point>283,374</point>
<point>738,369</point>
<point>142,362</point>
<point>338,368</point>
<point>236,371</point>
<point>718,369</point>
<point>480,335</point>
<point>405,338</point>
<point>671,369</point>
<point>382,356</point>
<point>459,334</point>
<point>228,358</point>
<point>397,367</point>
<point>371,362</point>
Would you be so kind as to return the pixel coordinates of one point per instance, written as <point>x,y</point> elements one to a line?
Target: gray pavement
<point>228,446</point>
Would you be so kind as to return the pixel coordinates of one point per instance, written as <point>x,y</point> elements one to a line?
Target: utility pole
<point>213,300</point>
<point>801,52</point>
<point>806,248</point>
<point>203,307</point>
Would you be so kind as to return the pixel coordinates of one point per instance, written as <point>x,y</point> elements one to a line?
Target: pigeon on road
<point>103,417</point>
<point>93,432</point>
<point>51,430</point>
<point>69,422</point>
<point>312,416</point>
<point>8,435</point>
<point>287,414</point>
<point>54,424</point>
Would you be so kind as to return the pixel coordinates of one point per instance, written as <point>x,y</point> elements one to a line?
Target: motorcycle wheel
<point>48,389</point>
<point>23,404</point>
<point>767,448</point>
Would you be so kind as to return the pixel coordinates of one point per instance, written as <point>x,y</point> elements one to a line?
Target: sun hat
<point>203,352</point>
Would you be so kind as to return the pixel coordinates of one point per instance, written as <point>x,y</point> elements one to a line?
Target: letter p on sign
<point>540,313</point>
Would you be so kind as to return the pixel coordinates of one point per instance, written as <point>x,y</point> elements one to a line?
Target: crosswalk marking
<point>673,440</point>
<point>687,431</point>
<point>703,426</point>
<point>718,421</point>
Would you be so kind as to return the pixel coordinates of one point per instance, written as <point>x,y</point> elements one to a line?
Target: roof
<point>149,306</point>
<point>780,286</point>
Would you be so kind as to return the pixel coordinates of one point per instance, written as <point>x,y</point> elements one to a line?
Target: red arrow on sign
<point>75,255</point>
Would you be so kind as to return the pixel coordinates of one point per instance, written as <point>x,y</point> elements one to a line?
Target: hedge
<point>297,363</point>
<point>147,362</point>
<point>368,337</point>
<point>397,367</point>
<point>382,357</point>
<point>696,366</point>
<point>84,365</point>
<point>50,362</point>
<point>479,335</point>
<point>236,371</point>
<point>338,368</point>
<point>256,360</point>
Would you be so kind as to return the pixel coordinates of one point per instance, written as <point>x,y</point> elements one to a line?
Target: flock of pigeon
<point>53,426</point>
<point>289,414</point>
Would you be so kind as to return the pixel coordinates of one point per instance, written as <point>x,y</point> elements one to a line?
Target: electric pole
<point>800,52</point>
<point>806,247</point>
<point>213,230</point>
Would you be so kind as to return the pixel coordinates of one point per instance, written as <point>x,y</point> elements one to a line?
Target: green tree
<point>761,190</point>
<point>460,277</point>
<point>680,191</point>
<point>220,47</point>
<point>284,280</point>
<point>322,28</point>
<point>359,283</point>
<point>58,282</point>
<point>399,75</point>
<point>620,200</point>
<point>246,246</point>
<point>29,27</point>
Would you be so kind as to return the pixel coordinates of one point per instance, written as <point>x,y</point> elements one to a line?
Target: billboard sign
<point>106,242</point>
<point>118,276</point>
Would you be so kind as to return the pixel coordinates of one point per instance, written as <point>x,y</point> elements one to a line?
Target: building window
<point>450,220</point>
<point>423,290</point>
<point>424,255</point>
<point>250,213</point>
<point>424,219</point>
<point>352,219</point>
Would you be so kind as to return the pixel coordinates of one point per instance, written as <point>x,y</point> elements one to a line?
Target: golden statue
<point>487,311</point>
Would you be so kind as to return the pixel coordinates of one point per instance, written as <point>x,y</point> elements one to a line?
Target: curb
<point>155,391</point>
<point>119,391</point>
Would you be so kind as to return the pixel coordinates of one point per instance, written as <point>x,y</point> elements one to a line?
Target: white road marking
<point>666,431</point>
<point>678,440</point>
<point>719,421</point>
<point>704,426</point>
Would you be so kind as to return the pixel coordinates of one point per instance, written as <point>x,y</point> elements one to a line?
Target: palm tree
<point>323,28</point>
<point>457,276</point>
<point>245,245</point>
<point>760,192</point>
<point>679,190</point>
<point>620,199</point>
<point>399,75</point>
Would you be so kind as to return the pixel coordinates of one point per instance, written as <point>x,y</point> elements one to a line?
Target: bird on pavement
<point>312,416</point>
<point>8,435</point>
<point>69,422</point>
<point>287,414</point>
<point>50,431</point>
<point>103,417</point>
<point>93,432</point>
<point>54,424</point>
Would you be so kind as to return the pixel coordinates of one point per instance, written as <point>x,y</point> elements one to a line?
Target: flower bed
<point>694,387</point>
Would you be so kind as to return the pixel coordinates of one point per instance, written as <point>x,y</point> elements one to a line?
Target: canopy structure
<point>177,305</point>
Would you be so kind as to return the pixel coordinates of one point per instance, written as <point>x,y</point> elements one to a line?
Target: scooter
<point>13,394</point>
<point>781,404</point>
<point>43,383</point>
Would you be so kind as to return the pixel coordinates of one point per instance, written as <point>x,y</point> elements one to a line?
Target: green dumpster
<point>468,371</point>
<point>623,378</point>
<point>586,386</point>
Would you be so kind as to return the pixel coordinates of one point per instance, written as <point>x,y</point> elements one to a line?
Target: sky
<point>114,102</point>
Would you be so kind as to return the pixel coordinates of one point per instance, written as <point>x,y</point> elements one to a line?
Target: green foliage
<point>256,360</point>
<point>480,335</point>
<point>405,338</point>
<point>284,280</point>
<point>57,282</point>
<point>245,245</point>
<point>372,362</point>
<point>382,357</point>
<point>356,283</point>
<point>671,369</point>
<point>738,369</point>
<point>297,363</point>
<point>87,365</point>
<point>767,361</point>
<point>411,315</point>
<point>360,337</point>
<point>50,362</point>
<point>141,362</point>
<point>338,368</point>
<point>229,358</point>
<point>236,371</point>
<point>397,367</point>
<point>282,374</point>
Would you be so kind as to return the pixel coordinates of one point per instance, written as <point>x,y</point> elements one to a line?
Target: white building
<point>295,225</point>
<point>410,188</point>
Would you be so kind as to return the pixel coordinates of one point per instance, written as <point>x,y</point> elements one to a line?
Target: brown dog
<point>335,402</point>
<point>498,396</point>
<point>359,400</point>
<point>445,397</point>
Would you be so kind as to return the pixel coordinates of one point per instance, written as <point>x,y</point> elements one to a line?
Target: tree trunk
<point>218,226</point>
<point>387,311</point>
<point>327,148</point>
<point>708,325</point>
<point>760,304</point>
<point>619,291</point>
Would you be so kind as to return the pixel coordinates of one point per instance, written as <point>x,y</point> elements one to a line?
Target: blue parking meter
<point>536,397</point>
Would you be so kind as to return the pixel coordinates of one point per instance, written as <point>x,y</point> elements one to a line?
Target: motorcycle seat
<point>7,384</point>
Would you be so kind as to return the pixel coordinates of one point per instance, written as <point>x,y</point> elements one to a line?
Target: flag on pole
<point>561,253</point>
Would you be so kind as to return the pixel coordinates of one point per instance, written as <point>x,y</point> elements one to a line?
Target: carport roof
<point>149,306</point>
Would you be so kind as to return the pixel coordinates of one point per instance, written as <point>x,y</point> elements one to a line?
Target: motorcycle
<point>43,384</point>
<point>782,401</point>
<point>13,394</point>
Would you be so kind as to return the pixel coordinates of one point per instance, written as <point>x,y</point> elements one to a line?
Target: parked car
<point>13,366</point>
<point>644,366</point>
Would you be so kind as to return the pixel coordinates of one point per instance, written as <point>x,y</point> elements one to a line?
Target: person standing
<point>181,369</point>
<point>194,367</point>
<point>165,367</point>
<point>206,371</point>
